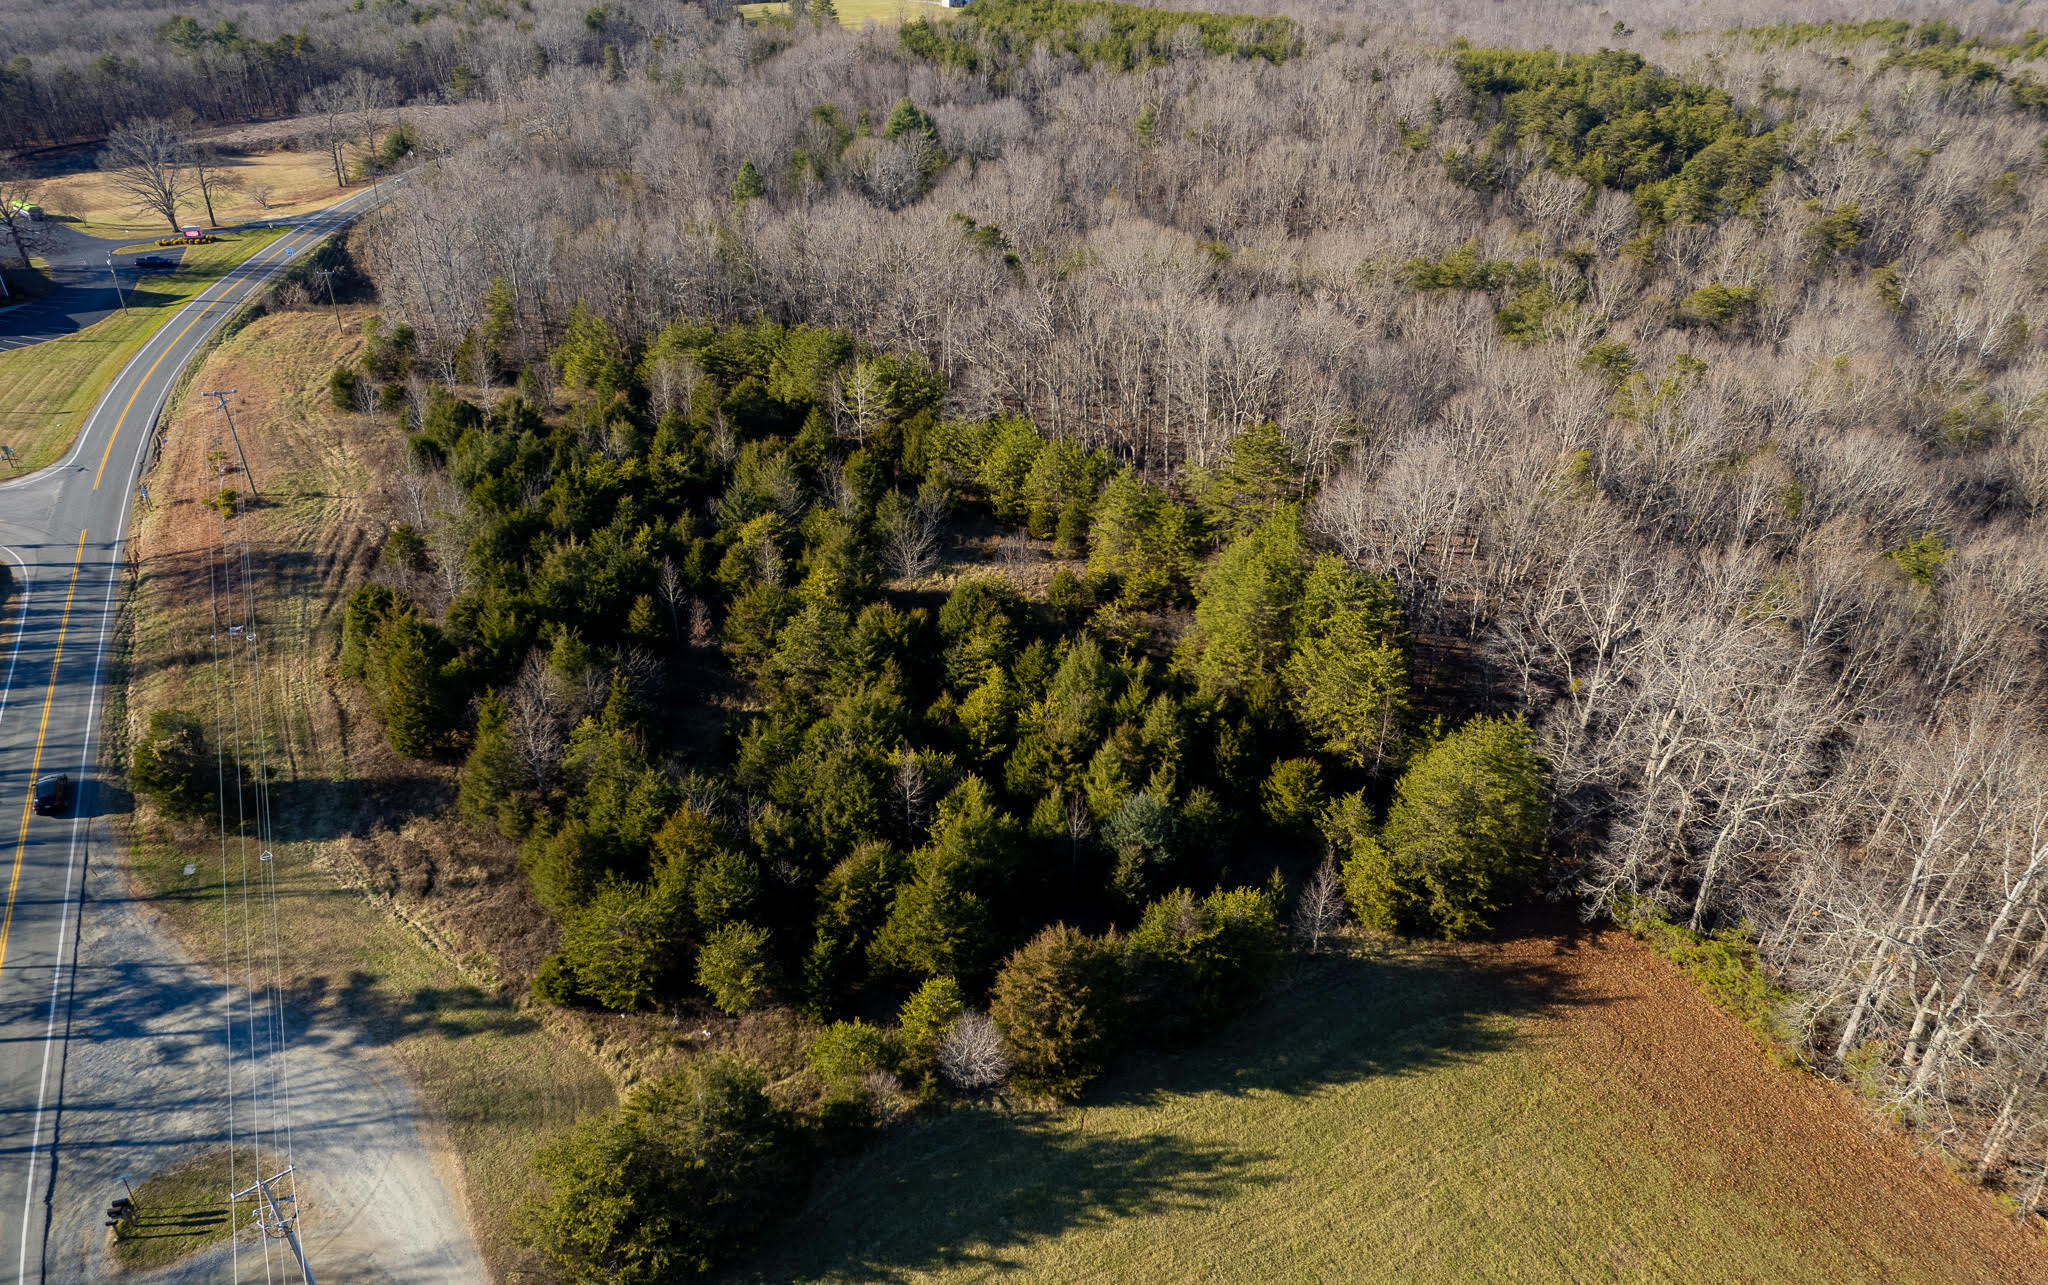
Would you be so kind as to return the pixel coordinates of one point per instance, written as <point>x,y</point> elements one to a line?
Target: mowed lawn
<point>47,389</point>
<point>296,181</point>
<point>1559,1107</point>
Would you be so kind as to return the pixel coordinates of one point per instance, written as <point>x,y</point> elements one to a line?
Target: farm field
<point>854,13</point>
<point>1558,1107</point>
<point>299,182</point>
<point>47,390</point>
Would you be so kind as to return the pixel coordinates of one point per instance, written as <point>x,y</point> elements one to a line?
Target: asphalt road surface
<point>82,284</point>
<point>61,533</point>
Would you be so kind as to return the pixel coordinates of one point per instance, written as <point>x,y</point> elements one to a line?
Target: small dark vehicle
<point>155,263</point>
<point>52,794</point>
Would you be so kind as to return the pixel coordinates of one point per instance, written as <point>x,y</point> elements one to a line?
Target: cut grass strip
<point>47,390</point>
<point>184,1209</point>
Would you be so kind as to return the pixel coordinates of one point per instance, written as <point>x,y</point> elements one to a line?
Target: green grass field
<point>854,13</point>
<point>47,390</point>
<point>1430,1115</point>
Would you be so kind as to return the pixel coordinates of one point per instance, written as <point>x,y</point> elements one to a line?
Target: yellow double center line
<point>36,761</point>
<point>168,350</point>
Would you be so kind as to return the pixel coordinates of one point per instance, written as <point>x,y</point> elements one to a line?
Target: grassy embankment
<point>487,1069</point>
<point>47,390</point>
<point>1554,1108</point>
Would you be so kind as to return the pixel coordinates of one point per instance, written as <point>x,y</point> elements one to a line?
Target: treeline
<point>1001,33</point>
<point>677,637</point>
<point>74,73</point>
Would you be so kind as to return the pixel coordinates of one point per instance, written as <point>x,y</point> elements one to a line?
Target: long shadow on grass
<point>979,1188</point>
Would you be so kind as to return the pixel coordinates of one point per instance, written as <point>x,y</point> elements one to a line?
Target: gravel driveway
<point>142,1090</point>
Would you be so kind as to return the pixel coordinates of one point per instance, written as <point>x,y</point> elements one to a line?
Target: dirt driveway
<point>143,1089</point>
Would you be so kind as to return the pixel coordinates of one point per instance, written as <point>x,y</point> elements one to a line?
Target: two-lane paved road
<point>63,530</point>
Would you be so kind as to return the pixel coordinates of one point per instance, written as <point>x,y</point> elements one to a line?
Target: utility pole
<point>281,1224</point>
<point>117,283</point>
<point>331,305</point>
<point>221,400</point>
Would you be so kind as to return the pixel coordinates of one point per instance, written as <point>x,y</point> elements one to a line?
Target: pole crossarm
<point>281,1224</point>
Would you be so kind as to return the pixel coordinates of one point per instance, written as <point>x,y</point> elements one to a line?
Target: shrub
<point>681,1180</point>
<point>928,1014</point>
<point>1058,1002</point>
<point>341,388</point>
<point>734,967</point>
<point>845,1053</point>
<point>173,765</point>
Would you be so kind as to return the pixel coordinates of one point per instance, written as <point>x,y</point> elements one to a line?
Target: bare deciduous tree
<point>1321,908</point>
<point>972,1055</point>
<point>145,160</point>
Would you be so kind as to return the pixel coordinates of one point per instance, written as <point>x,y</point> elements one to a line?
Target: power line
<point>221,400</point>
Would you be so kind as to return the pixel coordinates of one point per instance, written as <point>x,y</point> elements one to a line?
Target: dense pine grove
<point>691,667</point>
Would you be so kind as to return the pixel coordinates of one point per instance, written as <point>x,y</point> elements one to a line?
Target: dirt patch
<point>1679,1074</point>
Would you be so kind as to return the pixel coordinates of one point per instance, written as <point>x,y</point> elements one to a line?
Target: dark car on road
<point>52,793</point>
<point>155,263</point>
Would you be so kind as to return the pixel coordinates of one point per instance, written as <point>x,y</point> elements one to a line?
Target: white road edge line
<point>20,628</point>
<point>318,225</point>
<point>35,1136</point>
<point>85,759</point>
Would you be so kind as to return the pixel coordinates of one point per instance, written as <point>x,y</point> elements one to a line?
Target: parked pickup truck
<point>155,263</point>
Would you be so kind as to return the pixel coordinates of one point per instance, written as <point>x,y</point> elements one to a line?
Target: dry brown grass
<point>302,181</point>
<point>419,936</point>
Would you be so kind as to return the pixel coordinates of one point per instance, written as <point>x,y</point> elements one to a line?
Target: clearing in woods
<point>47,389</point>
<point>1553,1106</point>
<point>492,1071</point>
<point>855,13</point>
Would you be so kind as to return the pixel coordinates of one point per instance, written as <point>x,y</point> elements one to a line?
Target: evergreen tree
<point>1143,836</point>
<point>407,685</point>
<point>942,922</point>
<point>1348,674</point>
<point>733,965</point>
<point>1258,476</point>
<point>678,1182</point>
<point>621,947</point>
<point>173,765</point>
<point>1463,839</point>
<point>487,793</point>
<point>1059,1001</point>
<point>906,119</point>
<point>1195,962</point>
<point>747,184</point>
<point>1247,608</point>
